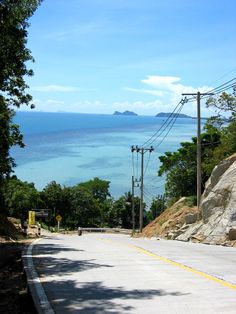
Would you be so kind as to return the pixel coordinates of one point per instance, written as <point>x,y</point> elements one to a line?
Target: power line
<point>166,124</point>
<point>214,90</point>
<point>224,75</point>
<point>147,163</point>
<point>160,128</point>
<point>217,90</point>
<point>172,122</point>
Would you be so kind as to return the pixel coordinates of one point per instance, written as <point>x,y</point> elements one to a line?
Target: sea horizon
<point>70,148</point>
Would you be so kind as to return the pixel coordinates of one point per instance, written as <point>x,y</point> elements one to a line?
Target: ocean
<point>70,148</point>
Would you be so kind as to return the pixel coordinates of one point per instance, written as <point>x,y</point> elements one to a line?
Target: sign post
<point>58,218</point>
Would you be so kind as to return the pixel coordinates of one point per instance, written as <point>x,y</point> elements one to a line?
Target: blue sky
<point>98,56</point>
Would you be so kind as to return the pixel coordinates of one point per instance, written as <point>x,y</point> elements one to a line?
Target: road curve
<point>104,273</point>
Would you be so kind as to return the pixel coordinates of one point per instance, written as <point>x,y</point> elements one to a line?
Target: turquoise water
<point>72,148</point>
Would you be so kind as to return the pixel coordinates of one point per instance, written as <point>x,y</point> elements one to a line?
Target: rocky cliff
<point>216,224</point>
<point>218,205</point>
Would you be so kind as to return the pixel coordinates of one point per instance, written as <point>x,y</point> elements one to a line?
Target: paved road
<point>101,273</point>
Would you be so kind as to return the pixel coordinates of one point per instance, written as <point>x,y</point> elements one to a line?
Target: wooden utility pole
<point>135,184</point>
<point>142,151</point>
<point>199,150</point>
<point>133,218</point>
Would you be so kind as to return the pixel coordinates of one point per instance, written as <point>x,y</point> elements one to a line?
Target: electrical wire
<point>147,143</point>
<point>217,90</point>
<point>224,75</point>
<point>149,156</point>
<point>220,86</point>
<point>172,122</point>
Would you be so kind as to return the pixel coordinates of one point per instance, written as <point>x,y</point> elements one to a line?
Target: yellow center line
<point>176,264</point>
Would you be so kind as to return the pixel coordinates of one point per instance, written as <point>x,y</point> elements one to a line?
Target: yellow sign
<point>31,218</point>
<point>58,218</point>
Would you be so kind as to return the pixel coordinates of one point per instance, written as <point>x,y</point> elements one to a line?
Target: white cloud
<point>170,84</point>
<point>163,82</point>
<point>55,88</point>
<point>168,90</point>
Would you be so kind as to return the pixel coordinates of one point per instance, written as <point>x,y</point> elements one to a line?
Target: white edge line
<point>38,294</point>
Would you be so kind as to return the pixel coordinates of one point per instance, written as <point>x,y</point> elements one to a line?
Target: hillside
<point>172,221</point>
<point>9,229</point>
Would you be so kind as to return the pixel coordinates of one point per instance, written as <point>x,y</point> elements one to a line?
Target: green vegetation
<point>157,207</point>
<point>86,204</point>
<point>13,70</point>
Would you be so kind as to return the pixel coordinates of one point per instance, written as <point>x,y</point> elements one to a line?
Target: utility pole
<point>199,150</point>
<point>142,151</point>
<point>135,184</point>
<point>132,200</point>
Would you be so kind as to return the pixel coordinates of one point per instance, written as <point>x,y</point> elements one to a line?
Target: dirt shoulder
<point>14,296</point>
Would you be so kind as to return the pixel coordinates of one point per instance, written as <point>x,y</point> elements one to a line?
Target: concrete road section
<point>102,273</point>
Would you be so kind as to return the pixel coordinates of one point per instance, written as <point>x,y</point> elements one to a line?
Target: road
<point>104,273</point>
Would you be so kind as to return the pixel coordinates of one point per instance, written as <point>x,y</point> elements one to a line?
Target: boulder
<point>219,199</point>
<point>191,218</point>
<point>232,234</point>
<point>218,207</point>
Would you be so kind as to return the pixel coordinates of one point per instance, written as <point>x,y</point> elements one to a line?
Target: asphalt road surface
<point>104,273</point>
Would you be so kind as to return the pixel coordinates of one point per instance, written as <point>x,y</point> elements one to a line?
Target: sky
<point>99,56</point>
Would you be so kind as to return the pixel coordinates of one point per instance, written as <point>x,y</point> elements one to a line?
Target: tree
<point>85,209</point>
<point>99,191</point>
<point>21,197</point>
<point>14,17</point>
<point>180,167</point>
<point>120,213</point>
<point>99,188</point>
<point>53,197</point>
<point>157,207</point>
<point>224,102</point>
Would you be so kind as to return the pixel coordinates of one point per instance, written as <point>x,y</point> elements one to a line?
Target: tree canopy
<point>87,204</point>
<point>224,102</point>
<point>14,16</point>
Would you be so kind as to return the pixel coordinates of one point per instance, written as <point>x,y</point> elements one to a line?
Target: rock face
<point>218,204</point>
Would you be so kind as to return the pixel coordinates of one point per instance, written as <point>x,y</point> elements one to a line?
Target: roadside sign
<point>40,212</point>
<point>58,218</point>
<point>31,218</point>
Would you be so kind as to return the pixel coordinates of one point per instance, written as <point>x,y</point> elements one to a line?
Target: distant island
<point>125,113</point>
<point>167,114</point>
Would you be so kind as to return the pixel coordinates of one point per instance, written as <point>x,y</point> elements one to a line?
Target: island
<point>125,113</point>
<point>168,114</point>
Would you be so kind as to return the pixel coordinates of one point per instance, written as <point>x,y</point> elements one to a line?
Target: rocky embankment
<point>216,224</point>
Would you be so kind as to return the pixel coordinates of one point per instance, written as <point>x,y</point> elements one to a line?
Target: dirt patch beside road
<point>14,297</point>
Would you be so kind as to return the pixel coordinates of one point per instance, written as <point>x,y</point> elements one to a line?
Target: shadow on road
<point>48,262</point>
<point>72,296</point>
<point>96,298</point>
